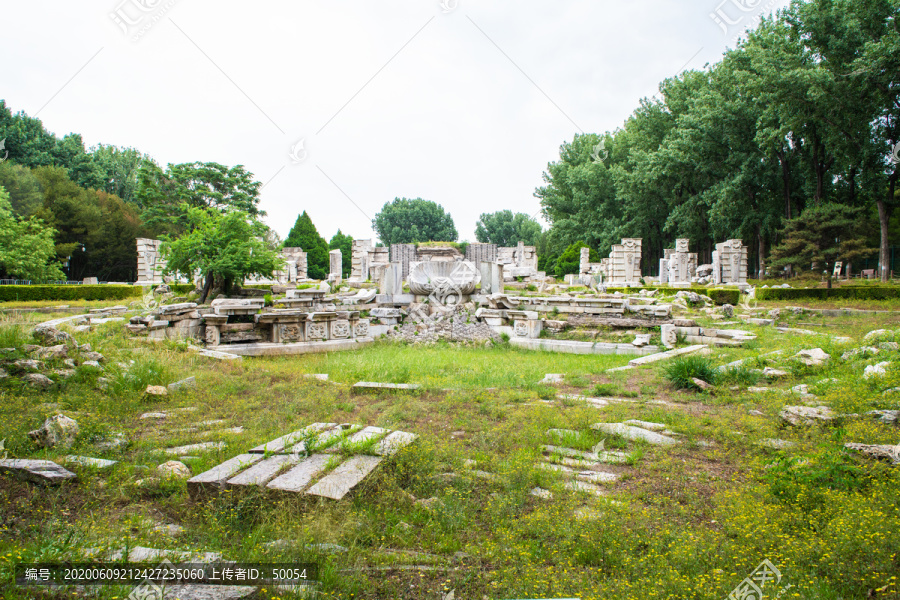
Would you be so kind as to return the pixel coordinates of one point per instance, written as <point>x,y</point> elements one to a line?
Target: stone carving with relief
<point>340,329</point>
<point>362,329</point>
<point>446,282</point>
<point>316,331</point>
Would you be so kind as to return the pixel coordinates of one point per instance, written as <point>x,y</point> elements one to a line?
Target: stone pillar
<point>335,270</point>
<point>663,271</point>
<point>585,263</point>
<point>668,335</point>
<point>520,254</point>
<point>717,268</point>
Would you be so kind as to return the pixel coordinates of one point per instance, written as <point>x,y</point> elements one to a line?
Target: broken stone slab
<point>174,309</point>
<point>652,358</point>
<point>188,382</point>
<point>552,378</point>
<point>28,364</point>
<point>37,380</point>
<point>51,352</point>
<point>344,478</point>
<point>93,364</point>
<point>302,474</point>
<point>324,439</point>
<point>193,448</point>
<point>758,390</point>
<point>394,442</point>
<point>361,437</point>
<point>49,335</point>
<point>815,357</point>
<point>44,472</point>
<point>154,415</point>
<point>806,415</point>
<point>880,451</point>
<point>363,387</point>
<point>58,430</point>
<point>885,416</point>
<point>319,376</point>
<point>262,472</point>
<point>218,475</point>
<point>156,390</point>
<point>215,354</point>
<point>635,433</point>
<point>704,386</point>
<point>87,461</point>
<point>879,335</point>
<point>584,459</point>
<point>771,373</point>
<point>857,351</point>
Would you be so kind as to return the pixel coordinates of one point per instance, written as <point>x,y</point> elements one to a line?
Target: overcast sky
<point>339,107</point>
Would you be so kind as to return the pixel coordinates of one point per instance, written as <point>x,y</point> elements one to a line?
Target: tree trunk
<point>206,287</point>
<point>762,252</point>
<point>786,180</point>
<point>884,216</point>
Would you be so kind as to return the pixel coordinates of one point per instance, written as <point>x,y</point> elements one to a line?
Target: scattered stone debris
<point>890,417</point>
<point>87,461</point>
<point>776,444</point>
<point>774,373</point>
<point>58,430</point>
<point>879,335</point>
<point>541,493</point>
<point>552,378</point>
<point>704,386</point>
<point>371,386</point>
<point>635,433</point>
<point>156,390</point>
<point>877,370</point>
<point>880,451</point>
<point>806,415</point>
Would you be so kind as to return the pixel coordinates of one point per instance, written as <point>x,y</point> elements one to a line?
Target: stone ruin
<point>366,259</point>
<point>679,266</point>
<point>622,267</point>
<point>730,263</point>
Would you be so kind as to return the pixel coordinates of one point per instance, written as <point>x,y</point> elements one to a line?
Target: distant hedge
<point>31,293</point>
<point>718,295</point>
<point>861,292</point>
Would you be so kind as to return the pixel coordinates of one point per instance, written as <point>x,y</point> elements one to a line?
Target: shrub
<point>860,292</point>
<point>683,369</point>
<point>32,293</point>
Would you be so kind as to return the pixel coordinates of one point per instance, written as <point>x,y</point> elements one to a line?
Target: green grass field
<point>687,521</point>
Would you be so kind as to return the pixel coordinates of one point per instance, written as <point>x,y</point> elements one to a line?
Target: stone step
<point>278,445</point>
<point>339,482</point>
<point>218,475</point>
<point>262,472</point>
<point>192,448</point>
<point>300,476</point>
<point>360,437</point>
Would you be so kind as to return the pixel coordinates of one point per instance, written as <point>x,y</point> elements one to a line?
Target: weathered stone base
<point>573,347</point>
<point>270,349</point>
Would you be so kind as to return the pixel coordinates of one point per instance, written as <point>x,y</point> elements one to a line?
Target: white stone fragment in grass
<point>813,358</point>
<point>552,378</point>
<point>806,415</point>
<point>877,370</point>
<point>87,461</point>
<point>541,493</point>
<point>635,433</point>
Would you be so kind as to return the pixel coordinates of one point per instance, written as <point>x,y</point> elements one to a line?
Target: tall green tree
<point>407,221</point>
<point>507,229</point>
<point>344,243</point>
<point>27,250</point>
<point>222,247</point>
<point>305,235</point>
<point>821,235</point>
<point>165,196</point>
<point>24,189</point>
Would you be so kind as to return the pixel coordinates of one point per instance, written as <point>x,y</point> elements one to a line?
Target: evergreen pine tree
<point>304,235</point>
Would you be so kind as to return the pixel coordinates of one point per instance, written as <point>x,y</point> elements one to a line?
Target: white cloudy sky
<point>463,104</point>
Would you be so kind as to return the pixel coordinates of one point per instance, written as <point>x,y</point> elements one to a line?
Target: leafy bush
<point>683,369</point>
<point>855,292</point>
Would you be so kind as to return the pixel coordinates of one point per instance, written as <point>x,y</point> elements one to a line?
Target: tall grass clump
<point>681,371</point>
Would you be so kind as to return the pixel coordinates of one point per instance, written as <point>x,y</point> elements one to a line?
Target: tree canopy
<point>27,250</point>
<point>507,229</point>
<point>407,221</point>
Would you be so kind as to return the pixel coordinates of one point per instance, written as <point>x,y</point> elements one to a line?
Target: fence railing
<point>39,282</point>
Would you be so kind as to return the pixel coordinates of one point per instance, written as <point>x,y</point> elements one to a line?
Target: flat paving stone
<point>218,475</point>
<point>279,444</point>
<point>581,486</point>
<point>394,442</point>
<point>87,461</point>
<point>324,439</point>
<point>361,437</point>
<point>339,482</point>
<point>262,472</point>
<point>301,475</point>
<point>44,472</point>
<point>646,425</point>
<point>635,433</point>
